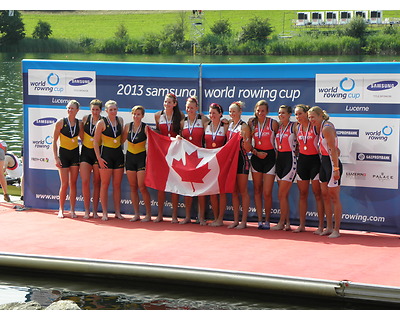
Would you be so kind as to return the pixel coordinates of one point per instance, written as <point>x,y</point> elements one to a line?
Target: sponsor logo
<point>43,143</point>
<point>80,81</point>
<point>64,83</point>
<point>382,177</point>
<point>382,85</point>
<point>356,175</point>
<point>380,135</point>
<point>40,159</point>
<point>44,121</point>
<point>348,132</point>
<point>361,156</point>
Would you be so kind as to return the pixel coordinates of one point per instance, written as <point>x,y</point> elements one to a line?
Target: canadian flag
<point>178,166</point>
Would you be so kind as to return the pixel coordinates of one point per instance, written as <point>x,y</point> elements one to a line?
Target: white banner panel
<point>61,83</point>
<point>357,88</point>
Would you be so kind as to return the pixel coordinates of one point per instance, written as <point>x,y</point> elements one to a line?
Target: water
<point>134,295</point>
<point>95,294</point>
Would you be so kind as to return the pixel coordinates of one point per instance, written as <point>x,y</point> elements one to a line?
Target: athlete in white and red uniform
<point>308,166</point>
<point>193,131</point>
<point>286,164</point>
<point>215,137</point>
<point>331,170</point>
<point>263,160</point>
<point>168,123</point>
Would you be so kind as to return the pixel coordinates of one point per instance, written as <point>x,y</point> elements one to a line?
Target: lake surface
<point>112,295</point>
<point>11,121</point>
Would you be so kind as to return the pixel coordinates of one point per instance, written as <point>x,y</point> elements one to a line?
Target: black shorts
<point>68,158</point>
<point>135,162</point>
<point>243,163</point>
<point>286,163</point>
<point>308,167</point>
<point>88,155</point>
<point>326,172</point>
<point>266,165</point>
<point>113,156</point>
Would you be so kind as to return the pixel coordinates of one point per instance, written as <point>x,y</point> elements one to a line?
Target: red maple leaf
<point>189,172</point>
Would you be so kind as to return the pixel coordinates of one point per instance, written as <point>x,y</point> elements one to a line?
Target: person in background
<point>331,170</point>
<point>238,125</point>
<point>168,123</point>
<point>215,137</point>
<point>13,166</point>
<point>89,162</point>
<point>135,162</point>
<point>193,130</point>
<point>67,156</point>
<point>263,160</point>
<point>285,164</point>
<point>308,166</point>
<point>110,158</point>
<point>3,182</point>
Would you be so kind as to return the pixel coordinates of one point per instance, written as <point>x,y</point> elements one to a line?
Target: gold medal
<point>214,145</point>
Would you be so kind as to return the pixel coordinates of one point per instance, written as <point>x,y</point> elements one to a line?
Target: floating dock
<point>358,265</point>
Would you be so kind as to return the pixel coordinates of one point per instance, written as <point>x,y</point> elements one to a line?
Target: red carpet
<point>368,258</point>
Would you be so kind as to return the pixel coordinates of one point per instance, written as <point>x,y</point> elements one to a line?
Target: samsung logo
<point>44,121</point>
<point>80,81</point>
<point>382,85</point>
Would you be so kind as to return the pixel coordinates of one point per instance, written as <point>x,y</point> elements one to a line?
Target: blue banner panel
<point>362,99</point>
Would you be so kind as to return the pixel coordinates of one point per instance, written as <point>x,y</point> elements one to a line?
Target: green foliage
<point>12,28</point>
<point>307,45</point>
<point>122,32</point>
<point>42,30</point>
<point>257,29</point>
<point>378,44</point>
<point>357,28</point>
<point>221,27</point>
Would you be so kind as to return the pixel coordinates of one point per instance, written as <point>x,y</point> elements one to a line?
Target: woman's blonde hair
<point>319,112</point>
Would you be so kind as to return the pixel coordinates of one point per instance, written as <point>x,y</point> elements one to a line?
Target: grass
<point>103,24</point>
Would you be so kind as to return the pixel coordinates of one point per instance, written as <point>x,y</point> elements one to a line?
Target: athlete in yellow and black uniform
<point>136,152</point>
<point>111,148</point>
<point>87,152</point>
<point>69,147</point>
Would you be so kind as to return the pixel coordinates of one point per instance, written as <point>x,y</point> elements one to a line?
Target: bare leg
<point>242,184</point>
<point>96,190</point>
<point>64,180</point>
<point>105,176</point>
<point>73,176</point>
<point>161,200</point>
<point>117,178</point>
<point>188,207</point>
<point>303,186</point>
<point>145,194</point>
<point>133,185</point>
<point>175,199</point>
<point>320,205</point>
<point>85,171</point>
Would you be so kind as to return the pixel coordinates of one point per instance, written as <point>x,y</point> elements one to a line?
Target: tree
<point>221,27</point>
<point>42,30</point>
<point>122,32</point>
<point>256,30</point>
<point>12,29</point>
<point>357,28</point>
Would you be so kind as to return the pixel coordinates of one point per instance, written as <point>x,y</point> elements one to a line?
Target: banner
<point>178,166</point>
<point>362,100</point>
